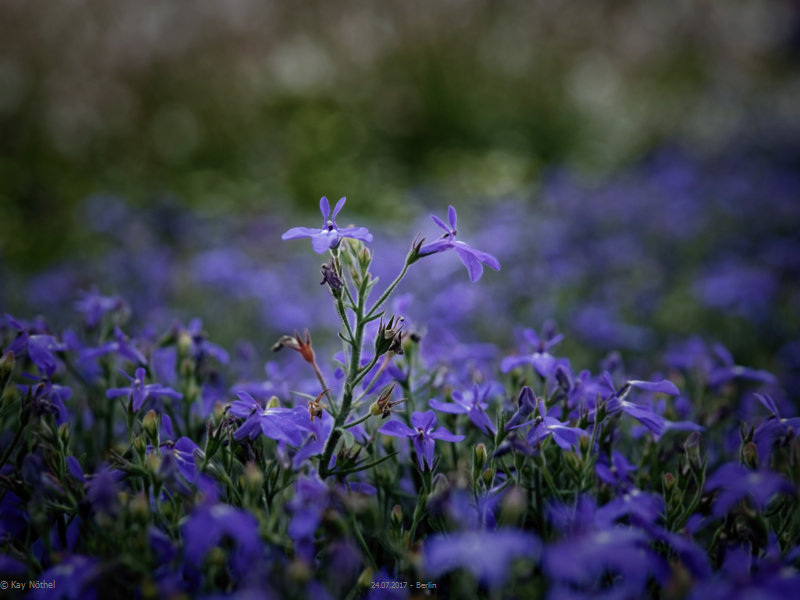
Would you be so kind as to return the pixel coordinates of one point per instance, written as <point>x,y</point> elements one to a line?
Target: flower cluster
<point>401,455</point>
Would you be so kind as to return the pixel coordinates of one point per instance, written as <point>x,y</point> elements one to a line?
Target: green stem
<point>358,421</point>
<point>387,292</point>
<point>365,370</point>
<point>347,395</point>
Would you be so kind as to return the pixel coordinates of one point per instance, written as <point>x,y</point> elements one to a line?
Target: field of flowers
<point>591,392</point>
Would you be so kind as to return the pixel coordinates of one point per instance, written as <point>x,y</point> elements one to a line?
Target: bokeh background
<point>634,165</point>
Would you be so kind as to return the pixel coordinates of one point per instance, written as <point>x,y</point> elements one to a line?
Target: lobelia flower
<point>138,392</point>
<point>488,555</point>
<point>471,403</point>
<point>774,428</point>
<point>471,257</point>
<point>541,359</point>
<point>329,235</point>
<point>206,528</point>
<point>423,434</point>
<point>565,436</point>
<point>736,482</point>
<point>120,346</point>
<point>39,346</point>
<point>275,422</point>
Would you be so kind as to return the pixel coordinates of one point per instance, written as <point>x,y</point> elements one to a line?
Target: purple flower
<point>565,436</point>
<point>615,472</point>
<point>39,347</point>
<point>620,553</point>
<point>737,483</point>
<point>121,346</point>
<point>472,403</point>
<point>310,500</point>
<point>277,423</point>
<point>646,415</point>
<point>94,307</point>
<point>541,359</point>
<point>774,428</point>
<point>208,526</point>
<point>488,555</point>
<point>471,257</point>
<point>423,434</point>
<point>138,392</point>
<point>328,237</point>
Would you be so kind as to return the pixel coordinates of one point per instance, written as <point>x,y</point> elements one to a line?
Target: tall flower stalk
<point>350,283</point>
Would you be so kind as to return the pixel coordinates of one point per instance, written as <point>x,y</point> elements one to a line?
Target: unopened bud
<point>63,434</point>
<point>669,481</point>
<point>184,343</point>
<point>396,516</point>
<point>152,463</point>
<point>252,478</point>
<point>150,425</point>
<point>365,579</point>
<point>140,507</point>
<point>488,477</point>
<point>513,506</point>
<point>479,457</point>
<point>7,364</point>
<point>139,445</point>
<point>692,449</point>
<point>750,455</point>
<point>364,258</point>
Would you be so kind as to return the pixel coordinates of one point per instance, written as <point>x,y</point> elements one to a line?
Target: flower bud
<point>7,364</point>
<point>150,425</point>
<point>63,434</point>
<point>252,478</point>
<point>139,445</point>
<point>140,507</point>
<point>365,579</point>
<point>488,477</point>
<point>479,457</point>
<point>669,481</point>
<point>692,449</point>
<point>396,516</point>
<point>152,463</point>
<point>184,343</point>
<point>750,455</point>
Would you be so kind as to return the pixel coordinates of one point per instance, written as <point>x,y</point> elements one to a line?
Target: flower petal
<point>322,241</point>
<point>451,215</point>
<point>299,232</point>
<point>337,208</point>
<point>397,429</point>
<point>325,209</point>
<point>447,407</point>
<point>445,435</point>
<point>470,261</point>
<point>440,223</point>
<point>357,233</point>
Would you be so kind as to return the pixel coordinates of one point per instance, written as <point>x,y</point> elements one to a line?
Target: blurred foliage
<point>246,106</point>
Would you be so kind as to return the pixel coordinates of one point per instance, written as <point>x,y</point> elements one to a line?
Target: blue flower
<point>208,526</point>
<point>541,359</point>
<point>488,555</point>
<point>276,422</point>
<point>328,237</point>
<point>138,392</point>
<point>471,257</point>
<point>472,403</point>
<point>737,483</point>
<point>423,434</point>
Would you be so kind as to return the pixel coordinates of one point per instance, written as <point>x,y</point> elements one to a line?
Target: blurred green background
<point>250,106</point>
